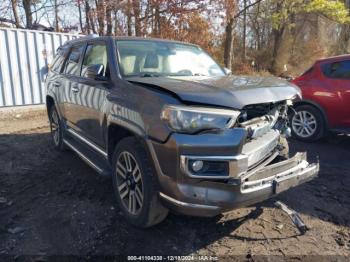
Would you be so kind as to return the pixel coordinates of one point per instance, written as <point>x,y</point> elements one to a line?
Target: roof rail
<point>81,38</point>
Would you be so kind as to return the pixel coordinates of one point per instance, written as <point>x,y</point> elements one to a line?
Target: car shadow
<point>56,196</point>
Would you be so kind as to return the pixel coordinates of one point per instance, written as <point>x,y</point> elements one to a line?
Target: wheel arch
<point>116,132</point>
<point>315,105</point>
<point>49,103</point>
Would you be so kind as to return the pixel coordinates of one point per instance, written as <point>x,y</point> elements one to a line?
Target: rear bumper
<point>209,198</point>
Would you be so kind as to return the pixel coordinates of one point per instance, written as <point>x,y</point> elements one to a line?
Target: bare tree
<point>244,46</point>
<point>101,15</point>
<point>27,6</point>
<point>87,17</point>
<point>344,39</point>
<point>80,16</point>
<point>14,5</point>
<point>57,29</point>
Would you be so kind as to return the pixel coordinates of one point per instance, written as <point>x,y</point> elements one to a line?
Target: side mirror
<point>227,71</point>
<point>94,71</point>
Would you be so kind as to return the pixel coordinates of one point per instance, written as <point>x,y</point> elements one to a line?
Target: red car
<point>326,99</point>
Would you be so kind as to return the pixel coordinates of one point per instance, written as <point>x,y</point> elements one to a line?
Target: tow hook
<point>294,216</point>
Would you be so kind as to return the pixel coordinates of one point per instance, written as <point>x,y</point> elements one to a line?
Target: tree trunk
<point>15,13</point>
<point>244,53</point>
<point>157,24</point>
<point>57,29</point>
<point>278,34</point>
<point>80,17</point>
<point>344,38</point>
<point>128,18</point>
<point>109,18</point>
<point>228,54</point>
<point>146,20</point>
<point>87,14</point>
<point>92,22</point>
<point>136,9</point>
<point>116,24</point>
<point>101,12</point>
<point>28,13</point>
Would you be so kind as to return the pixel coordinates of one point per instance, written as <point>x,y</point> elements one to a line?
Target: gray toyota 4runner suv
<point>171,128</point>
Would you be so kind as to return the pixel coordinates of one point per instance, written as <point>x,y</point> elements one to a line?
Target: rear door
<point>70,85</point>
<point>54,78</point>
<point>338,80</point>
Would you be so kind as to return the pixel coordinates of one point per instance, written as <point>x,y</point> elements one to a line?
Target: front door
<point>92,93</point>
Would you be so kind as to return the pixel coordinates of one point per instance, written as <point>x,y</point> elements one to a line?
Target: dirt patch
<point>28,118</point>
<point>52,203</point>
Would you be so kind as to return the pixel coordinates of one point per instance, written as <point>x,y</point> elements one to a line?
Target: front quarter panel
<point>138,109</point>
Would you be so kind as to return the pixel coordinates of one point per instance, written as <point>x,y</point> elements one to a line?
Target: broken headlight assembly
<point>191,119</point>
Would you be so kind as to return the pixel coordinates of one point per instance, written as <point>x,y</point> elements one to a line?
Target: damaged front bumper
<point>210,198</point>
<point>280,176</point>
<point>255,173</point>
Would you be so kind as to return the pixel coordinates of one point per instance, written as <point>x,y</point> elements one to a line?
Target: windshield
<point>157,58</point>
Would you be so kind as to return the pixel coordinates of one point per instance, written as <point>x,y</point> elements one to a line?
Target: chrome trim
<point>86,141</point>
<point>184,204</point>
<point>258,149</point>
<point>237,165</point>
<point>252,153</point>
<point>302,170</point>
<point>82,156</point>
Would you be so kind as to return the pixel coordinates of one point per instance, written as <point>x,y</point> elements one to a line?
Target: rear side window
<point>96,54</point>
<point>338,70</point>
<point>58,61</point>
<point>72,64</point>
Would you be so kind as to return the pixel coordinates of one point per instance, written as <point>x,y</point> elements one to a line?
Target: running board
<point>87,156</point>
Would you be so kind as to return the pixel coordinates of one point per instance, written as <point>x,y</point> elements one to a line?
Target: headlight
<point>190,119</point>
<point>294,99</point>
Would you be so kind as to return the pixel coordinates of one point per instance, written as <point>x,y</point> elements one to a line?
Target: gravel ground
<point>52,203</point>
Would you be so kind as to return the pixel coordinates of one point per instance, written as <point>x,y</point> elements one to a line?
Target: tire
<point>135,184</point>
<point>312,129</point>
<point>56,129</point>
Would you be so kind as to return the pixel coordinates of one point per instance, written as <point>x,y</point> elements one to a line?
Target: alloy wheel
<point>55,127</point>
<point>304,124</point>
<point>129,182</point>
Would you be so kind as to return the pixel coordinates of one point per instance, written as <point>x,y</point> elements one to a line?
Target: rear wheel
<point>135,184</point>
<point>56,128</point>
<point>307,123</point>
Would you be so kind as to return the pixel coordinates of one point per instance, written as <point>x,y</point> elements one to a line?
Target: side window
<point>58,61</point>
<point>338,70</point>
<point>96,54</point>
<point>72,63</point>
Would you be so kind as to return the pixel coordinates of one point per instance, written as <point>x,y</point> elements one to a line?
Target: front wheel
<point>307,123</point>
<point>135,184</point>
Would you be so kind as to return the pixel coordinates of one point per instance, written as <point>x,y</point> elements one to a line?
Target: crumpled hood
<point>228,91</point>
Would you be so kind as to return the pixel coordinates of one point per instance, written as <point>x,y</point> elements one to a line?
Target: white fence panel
<point>24,59</point>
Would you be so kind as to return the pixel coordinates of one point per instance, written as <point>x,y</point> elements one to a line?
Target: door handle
<point>75,89</point>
